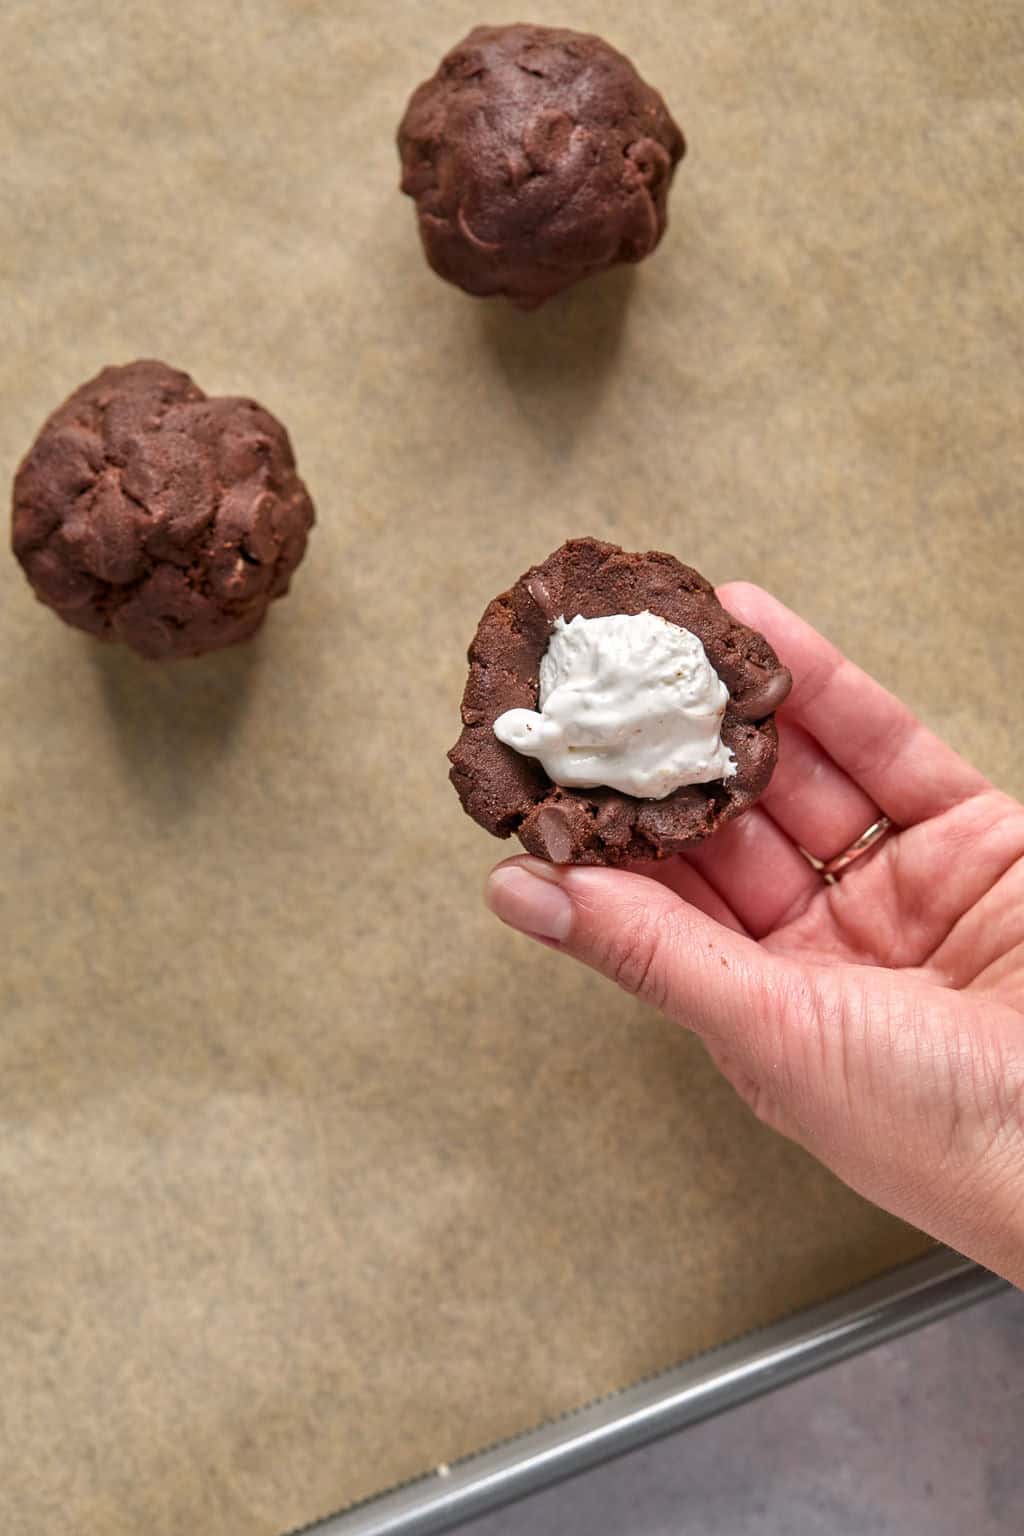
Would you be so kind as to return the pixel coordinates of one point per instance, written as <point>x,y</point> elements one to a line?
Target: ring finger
<point>811,799</point>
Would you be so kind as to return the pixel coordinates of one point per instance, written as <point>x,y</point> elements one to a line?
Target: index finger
<point>908,772</point>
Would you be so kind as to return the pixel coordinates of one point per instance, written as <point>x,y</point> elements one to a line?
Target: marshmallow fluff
<point>627,702</point>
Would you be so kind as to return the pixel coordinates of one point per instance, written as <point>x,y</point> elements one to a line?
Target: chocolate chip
<point>764,698</point>
<point>541,596</point>
<point>554,833</point>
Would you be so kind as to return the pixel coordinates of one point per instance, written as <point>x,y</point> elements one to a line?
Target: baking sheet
<point>311,1176</point>
<point>908,1297</point>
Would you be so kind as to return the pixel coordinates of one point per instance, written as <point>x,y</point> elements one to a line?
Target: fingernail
<point>527,896</point>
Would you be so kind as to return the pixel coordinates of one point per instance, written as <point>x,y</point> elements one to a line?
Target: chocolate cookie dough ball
<point>536,156</point>
<point>149,513</point>
<point>614,709</point>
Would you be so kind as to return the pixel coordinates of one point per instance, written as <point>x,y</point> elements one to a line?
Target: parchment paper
<point>311,1176</point>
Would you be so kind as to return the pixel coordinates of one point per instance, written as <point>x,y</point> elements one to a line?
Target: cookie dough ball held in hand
<point>147,512</point>
<point>536,156</point>
<point>614,710</point>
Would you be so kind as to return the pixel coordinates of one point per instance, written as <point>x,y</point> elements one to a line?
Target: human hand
<point>879,1021</point>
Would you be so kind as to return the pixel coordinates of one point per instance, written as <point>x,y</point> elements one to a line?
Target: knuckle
<point>637,962</point>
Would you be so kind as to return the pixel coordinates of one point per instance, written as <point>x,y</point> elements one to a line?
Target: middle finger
<point>757,870</point>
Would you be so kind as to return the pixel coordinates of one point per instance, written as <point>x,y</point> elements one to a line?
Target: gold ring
<point>831,869</point>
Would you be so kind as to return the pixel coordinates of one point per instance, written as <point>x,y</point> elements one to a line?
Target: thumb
<point>657,947</point>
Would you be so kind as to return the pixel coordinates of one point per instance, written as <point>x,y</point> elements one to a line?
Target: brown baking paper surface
<point>311,1175</point>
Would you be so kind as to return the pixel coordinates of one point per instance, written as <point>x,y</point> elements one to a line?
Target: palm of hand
<point>942,902</point>
<point>890,1021</point>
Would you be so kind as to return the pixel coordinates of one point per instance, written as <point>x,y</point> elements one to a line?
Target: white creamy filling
<point>628,702</point>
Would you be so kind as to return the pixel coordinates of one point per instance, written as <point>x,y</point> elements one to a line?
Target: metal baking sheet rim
<point>903,1299</point>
